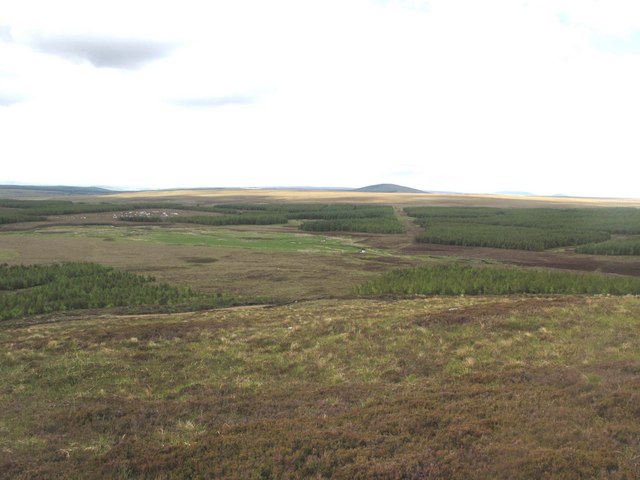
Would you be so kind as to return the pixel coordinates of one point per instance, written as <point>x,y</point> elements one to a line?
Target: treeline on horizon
<point>526,228</point>
<point>315,217</point>
<point>42,289</point>
<point>15,211</point>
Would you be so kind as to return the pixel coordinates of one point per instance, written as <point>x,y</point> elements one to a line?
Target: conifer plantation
<point>48,289</point>
<point>523,228</point>
<point>456,279</point>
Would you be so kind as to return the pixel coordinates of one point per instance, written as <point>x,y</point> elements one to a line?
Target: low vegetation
<point>366,225</point>
<point>8,216</point>
<point>140,218</point>
<point>242,219</point>
<point>312,211</point>
<point>329,218</point>
<point>315,217</point>
<point>454,279</point>
<point>36,209</point>
<point>458,388</point>
<point>522,228</point>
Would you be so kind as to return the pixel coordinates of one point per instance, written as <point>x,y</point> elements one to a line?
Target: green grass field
<point>315,382</point>
<point>6,254</point>
<point>209,237</point>
<point>278,242</point>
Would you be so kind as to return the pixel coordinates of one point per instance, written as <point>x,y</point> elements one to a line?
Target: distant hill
<point>387,188</point>
<point>18,190</point>
<point>521,194</point>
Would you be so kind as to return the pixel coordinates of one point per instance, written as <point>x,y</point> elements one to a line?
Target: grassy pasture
<point>5,254</point>
<point>280,242</point>
<point>206,237</point>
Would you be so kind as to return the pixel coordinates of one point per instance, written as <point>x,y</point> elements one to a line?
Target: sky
<point>475,96</point>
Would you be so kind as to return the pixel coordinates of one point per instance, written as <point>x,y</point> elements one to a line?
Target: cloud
<point>8,99</point>
<point>626,44</point>
<point>5,33</point>
<point>422,6</point>
<point>102,52</point>
<point>215,102</point>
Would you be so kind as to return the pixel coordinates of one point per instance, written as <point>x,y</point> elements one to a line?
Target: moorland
<point>316,334</point>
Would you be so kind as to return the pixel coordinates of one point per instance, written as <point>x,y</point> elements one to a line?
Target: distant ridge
<point>387,188</point>
<point>521,194</point>
<point>53,190</point>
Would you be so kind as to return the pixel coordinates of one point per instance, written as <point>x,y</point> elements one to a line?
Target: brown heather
<point>483,387</point>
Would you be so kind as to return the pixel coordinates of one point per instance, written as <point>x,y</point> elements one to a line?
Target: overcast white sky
<point>459,95</point>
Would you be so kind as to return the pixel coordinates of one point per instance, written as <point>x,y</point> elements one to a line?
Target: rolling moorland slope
<point>194,345</point>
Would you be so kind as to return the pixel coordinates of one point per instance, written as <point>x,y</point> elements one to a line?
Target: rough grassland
<point>445,387</point>
<point>206,237</point>
<point>256,263</point>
